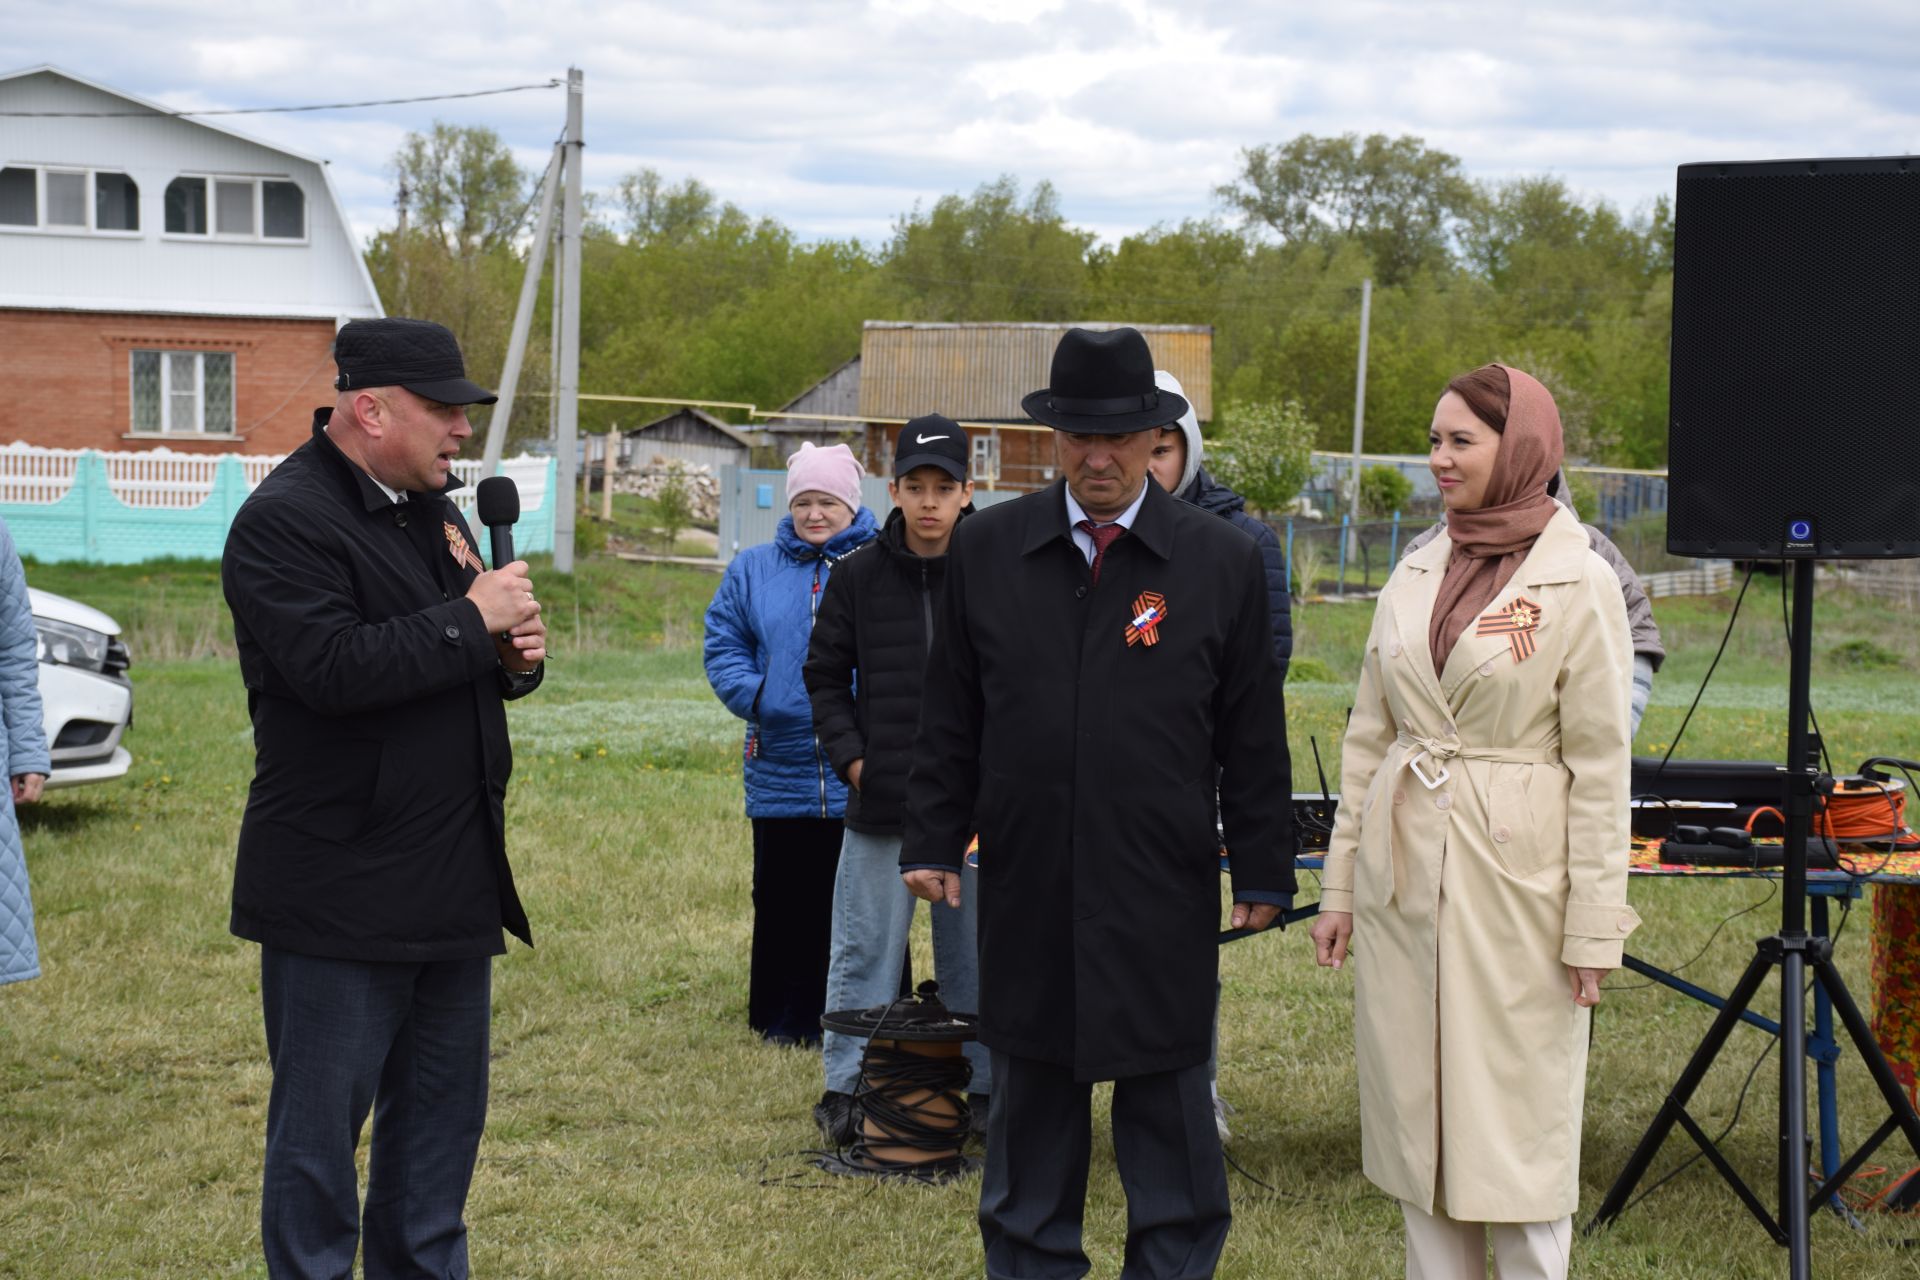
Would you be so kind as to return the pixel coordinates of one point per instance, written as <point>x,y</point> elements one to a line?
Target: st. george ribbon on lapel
<point>1517,621</point>
<point>1149,610</point>
<point>457,547</point>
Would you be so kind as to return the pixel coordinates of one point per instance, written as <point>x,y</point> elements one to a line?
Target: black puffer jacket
<point>866,668</point>
<point>1210,495</point>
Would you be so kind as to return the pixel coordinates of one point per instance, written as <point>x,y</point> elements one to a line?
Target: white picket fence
<point>32,475</point>
<point>1709,577</point>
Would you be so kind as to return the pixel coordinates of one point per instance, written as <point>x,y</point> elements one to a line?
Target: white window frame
<point>258,235</point>
<point>167,429</point>
<point>90,199</point>
<point>986,458</point>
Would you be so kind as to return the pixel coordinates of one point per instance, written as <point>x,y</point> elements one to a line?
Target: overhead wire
<point>163,113</point>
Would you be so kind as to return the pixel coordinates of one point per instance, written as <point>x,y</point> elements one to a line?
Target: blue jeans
<point>409,1042</point>
<point>872,911</point>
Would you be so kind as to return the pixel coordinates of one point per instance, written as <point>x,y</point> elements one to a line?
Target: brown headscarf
<point>1489,543</point>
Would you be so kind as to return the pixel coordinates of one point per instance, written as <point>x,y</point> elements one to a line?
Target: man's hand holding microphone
<point>504,596</point>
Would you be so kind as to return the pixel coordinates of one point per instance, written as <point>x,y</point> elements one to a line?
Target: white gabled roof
<point>156,108</point>
<point>324,276</point>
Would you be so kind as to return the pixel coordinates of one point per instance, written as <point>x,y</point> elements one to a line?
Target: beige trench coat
<point>1481,844</point>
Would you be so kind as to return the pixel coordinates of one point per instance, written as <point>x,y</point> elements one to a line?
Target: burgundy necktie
<point>1104,536</point>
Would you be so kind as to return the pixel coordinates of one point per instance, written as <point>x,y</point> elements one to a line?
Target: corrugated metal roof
<point>980,371</point>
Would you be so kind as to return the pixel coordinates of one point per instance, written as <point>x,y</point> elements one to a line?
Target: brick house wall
<point>66,378</point>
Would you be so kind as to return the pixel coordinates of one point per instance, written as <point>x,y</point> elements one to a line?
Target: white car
<point>83,684</point>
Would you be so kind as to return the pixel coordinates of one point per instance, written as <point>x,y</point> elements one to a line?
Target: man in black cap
<point>1105,648</point>
<point>377,653</point>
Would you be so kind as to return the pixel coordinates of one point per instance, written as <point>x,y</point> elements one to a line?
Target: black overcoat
<point>375,826</point>
<point>1091,765</point>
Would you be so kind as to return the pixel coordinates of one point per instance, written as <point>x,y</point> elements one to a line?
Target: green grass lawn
<point>636,1128</point>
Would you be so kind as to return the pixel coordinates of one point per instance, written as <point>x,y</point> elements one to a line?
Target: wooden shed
<point>836,398</point>
<point>689,435</point>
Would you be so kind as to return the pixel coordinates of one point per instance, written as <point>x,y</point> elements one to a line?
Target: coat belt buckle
<point>1425,781</point>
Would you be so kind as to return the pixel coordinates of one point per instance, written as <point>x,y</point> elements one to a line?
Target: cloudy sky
<point>836,115</point>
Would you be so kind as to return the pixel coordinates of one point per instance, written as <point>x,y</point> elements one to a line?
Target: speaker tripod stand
<point>1793,951</point>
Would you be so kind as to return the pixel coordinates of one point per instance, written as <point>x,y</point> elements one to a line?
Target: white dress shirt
<point>1076,513</point>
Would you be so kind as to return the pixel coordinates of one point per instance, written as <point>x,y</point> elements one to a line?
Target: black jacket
<point>374,827</point>
<point>866,667</point>
<point>1209,494</point>
<point>1090,763</point>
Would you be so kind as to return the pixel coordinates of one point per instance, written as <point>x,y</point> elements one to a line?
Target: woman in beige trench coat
<point>1479,857</point>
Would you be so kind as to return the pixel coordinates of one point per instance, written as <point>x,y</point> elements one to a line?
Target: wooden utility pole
<point>606,473</point>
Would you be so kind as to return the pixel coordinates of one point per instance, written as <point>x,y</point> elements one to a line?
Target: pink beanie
<point>833,471</point>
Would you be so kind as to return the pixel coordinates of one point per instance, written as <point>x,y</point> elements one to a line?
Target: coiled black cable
<point>914,1101</point>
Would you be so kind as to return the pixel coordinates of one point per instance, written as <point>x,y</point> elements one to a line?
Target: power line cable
<point>257,111</point>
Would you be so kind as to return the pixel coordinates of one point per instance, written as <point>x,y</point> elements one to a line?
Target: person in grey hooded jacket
<point>1648,652</point>
<point>1176,465</point>
<point>27,762</point>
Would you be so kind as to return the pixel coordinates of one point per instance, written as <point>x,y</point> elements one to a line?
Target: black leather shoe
<point>838,1118</point>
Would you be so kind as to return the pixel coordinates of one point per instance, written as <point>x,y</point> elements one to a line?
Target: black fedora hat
<point>1101,383</point>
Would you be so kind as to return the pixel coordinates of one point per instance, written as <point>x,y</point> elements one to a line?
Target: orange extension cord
<point>1858,812</point>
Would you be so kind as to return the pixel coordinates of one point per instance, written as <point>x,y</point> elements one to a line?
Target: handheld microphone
<point>498,504</point>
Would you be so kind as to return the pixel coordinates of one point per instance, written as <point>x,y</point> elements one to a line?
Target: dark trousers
<point>794,861</point>
<point>1034,1189</point>
<point>407,1040</point>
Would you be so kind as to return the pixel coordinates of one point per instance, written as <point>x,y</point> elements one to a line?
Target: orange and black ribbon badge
<point>1517,622</point>
<point>1149,611</point>
<point>457,547</point>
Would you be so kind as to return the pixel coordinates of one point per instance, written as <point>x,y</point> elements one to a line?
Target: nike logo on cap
<point>927,439</point>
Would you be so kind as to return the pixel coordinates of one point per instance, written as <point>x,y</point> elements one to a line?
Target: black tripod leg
<point>1795,1216</point>
<point>1898,1105</point>
<point>1682,1092</point>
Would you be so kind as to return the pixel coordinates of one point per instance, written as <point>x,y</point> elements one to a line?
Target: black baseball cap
<point>419,355</point>
<point>932,441</point>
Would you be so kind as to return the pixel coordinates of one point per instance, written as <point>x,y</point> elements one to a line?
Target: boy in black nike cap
<point>865,668</point>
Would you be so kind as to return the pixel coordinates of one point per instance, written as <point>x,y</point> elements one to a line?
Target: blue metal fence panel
<point>90,524</point>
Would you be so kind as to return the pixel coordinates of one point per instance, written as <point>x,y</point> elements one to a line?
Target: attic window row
<point>248,208</point>
<point>55,199</point>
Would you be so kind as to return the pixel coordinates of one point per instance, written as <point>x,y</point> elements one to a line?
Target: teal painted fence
<point>188,519</point>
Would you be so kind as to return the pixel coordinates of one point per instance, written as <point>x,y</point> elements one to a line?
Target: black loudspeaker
<point>1794,428</point>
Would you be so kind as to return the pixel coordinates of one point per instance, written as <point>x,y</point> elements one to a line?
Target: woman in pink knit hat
<point>757,632</point>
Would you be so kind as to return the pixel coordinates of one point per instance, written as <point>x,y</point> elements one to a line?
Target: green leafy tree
<point>450,256</point>
<point>990,256</point>
<point>461,187</point>
<point>1397,197</point>
<point>672,507</point>
<point>1265,452</point>
<point>1383,490</point>
<point>655,210</point>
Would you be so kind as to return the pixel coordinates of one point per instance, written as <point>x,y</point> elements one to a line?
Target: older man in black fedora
<point>377,650</point>
<point>1107,651</point>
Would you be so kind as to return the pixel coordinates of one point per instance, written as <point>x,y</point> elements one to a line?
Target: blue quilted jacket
<point>25,743</point>
<point>758,627</point>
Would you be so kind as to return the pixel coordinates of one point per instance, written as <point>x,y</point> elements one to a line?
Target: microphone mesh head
<point>497,501</point>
